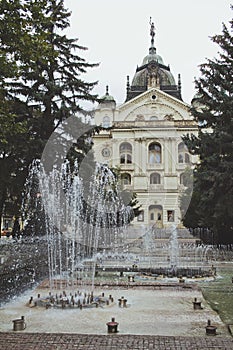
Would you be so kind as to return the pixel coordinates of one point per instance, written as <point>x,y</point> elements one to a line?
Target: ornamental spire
<point>152,34</point>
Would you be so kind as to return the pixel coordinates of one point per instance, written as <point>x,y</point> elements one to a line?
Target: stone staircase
<point>154,246</point>
<point>158,233</point>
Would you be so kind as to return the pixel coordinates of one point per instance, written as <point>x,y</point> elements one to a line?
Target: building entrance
<point>156,215</point>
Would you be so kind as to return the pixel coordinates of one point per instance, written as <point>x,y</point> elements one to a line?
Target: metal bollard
<point>210,330</point>
<point>19,324</point>
<point>112,326</point>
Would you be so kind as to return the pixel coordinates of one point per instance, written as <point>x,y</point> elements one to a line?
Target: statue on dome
<point>152,30</point>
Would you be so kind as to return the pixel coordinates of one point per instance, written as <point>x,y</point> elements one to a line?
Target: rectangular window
<point>141,216</point>
<point>170,215</point>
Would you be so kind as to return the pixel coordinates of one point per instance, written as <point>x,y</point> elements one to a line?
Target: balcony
<point>126,167</point>
<point>155,166</point>
<point>155,188</point>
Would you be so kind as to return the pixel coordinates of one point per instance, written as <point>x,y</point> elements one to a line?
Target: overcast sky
<point>116,33</point>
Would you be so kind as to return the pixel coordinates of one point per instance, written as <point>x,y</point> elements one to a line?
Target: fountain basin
<point>75,300</point>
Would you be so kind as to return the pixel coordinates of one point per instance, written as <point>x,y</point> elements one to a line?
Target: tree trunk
<point>2,201</point>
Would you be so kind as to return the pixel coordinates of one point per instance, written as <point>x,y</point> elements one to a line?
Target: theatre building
<point>143,138</point>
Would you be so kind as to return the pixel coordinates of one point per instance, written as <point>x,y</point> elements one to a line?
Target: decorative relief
<point>169,117</point>
<point>140,139</point>
<point>139,118</point>
<point>106,152</point>
<point>162,109</point>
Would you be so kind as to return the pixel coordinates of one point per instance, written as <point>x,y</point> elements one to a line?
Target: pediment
<point>154,104</point>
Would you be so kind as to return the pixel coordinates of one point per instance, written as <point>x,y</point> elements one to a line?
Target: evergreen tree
<point>49,70</point>
<point>42,89</point>
<point>41,85</point>
<point>212,201</point>
<point>13,132</point>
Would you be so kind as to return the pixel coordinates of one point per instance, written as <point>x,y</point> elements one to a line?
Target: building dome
<point>153,73</point>
<point>107,99</point>
<point>152,57</point>
<point>140,79</point>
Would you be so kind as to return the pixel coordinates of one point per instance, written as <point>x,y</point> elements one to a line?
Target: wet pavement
<point>165,312</point>
<point>153,319</point>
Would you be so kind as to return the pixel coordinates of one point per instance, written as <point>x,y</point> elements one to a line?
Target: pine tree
<point>212,201</point>
<point>43,89</point>
<point>49,68</point>
<point>13,133</point>
<point>41,85</point>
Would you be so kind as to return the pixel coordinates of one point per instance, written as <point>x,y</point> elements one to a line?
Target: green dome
<point>107,97</point>
<point>152,57</point>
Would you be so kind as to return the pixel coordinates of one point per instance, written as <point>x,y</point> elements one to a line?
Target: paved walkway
<point>64,341</point>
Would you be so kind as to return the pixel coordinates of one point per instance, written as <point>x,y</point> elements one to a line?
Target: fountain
<point>168,252</point>
<point>86,241</point>
<point>71,300</point>
<point>89,252</point>
<point>122,302</point>
<point>174,249</point>
<point>81,223</point>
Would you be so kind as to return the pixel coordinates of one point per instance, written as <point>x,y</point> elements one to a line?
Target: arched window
<point>183,155</point>
<point>141,216</point>
<point>125,153</point>
<point>125,179</point>
<point>180,158</point>
<point>155,179</point>
<point>153,117</point>
<point>106,122</point>
<point>155,213</point>
<point>154,153</point>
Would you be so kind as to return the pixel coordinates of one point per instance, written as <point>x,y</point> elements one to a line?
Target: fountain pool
<point>153,312</point>
<point>89,252</point>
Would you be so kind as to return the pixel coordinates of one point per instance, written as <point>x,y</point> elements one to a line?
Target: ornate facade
<point>143,138</point>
